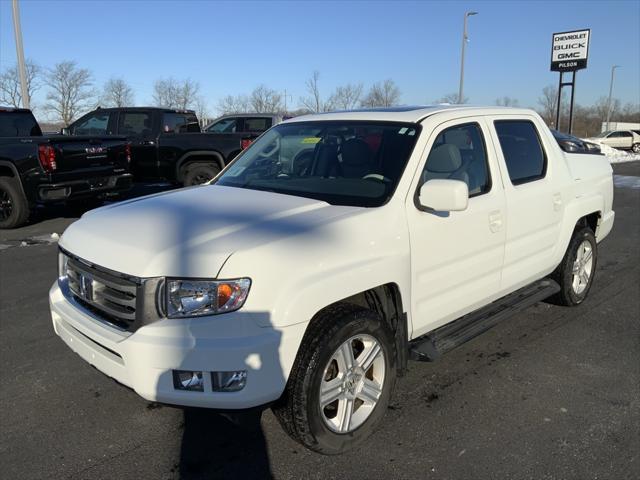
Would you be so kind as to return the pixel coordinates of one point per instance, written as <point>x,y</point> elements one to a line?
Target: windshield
<point>339,162</point>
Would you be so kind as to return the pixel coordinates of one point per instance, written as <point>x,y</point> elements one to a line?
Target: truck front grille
<point>108,296</point>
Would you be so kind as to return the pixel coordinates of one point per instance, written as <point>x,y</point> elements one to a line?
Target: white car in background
<point>621,139</point>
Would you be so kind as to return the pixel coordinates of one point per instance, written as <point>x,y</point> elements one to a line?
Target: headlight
<point>195,298</point>
<point>63,260</point>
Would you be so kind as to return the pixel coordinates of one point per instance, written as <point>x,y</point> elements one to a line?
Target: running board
<point>443,339</point>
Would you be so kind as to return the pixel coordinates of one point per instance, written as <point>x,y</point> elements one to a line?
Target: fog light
<point>229,381</point>
<point>187,380</point>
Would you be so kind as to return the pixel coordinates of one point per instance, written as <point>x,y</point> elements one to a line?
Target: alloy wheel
<point>582,267</point>
<point>352,383</point>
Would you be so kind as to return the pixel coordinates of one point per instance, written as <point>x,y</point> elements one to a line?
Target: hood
<point>191,232</point>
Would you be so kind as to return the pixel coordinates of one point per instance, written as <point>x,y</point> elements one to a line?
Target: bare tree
<point>548,103</point>
<point>202,111</point>
<point>10,91</point>
<point>345,97</point>
<point>507,102</point>
<point>601,106</point>
<point>313,102</point>
<point>234,104</point>
<point>451,98</point>
<point>382,94</point>
<point>172,93</point>
<point>70,91</point>
<point>264,99</point>
<point>117,93</point>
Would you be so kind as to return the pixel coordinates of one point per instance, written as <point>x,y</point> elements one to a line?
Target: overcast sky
<point>230,48</point>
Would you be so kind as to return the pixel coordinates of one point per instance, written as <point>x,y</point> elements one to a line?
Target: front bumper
<point>88,187</point>
<point>144,360</point>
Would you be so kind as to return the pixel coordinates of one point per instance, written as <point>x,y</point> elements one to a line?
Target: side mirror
<point>444,195</point>
<point>64,131</point>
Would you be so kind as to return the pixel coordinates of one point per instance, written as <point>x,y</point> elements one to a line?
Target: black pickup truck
<point>166,144</point>
<point>40,169</point>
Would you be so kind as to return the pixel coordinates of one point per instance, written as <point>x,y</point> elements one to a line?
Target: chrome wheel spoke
<point>345,413</point>
<point>344,357</point>
<point>370,392</point>
<point>330,391</point>
<point>368,356</point>
<point>576,267</point>
<point>587,256</point>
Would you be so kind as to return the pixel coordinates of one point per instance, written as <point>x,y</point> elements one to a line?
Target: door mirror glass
<point>444,195</point>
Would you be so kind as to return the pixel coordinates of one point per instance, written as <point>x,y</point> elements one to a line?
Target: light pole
<point>464,44</point>
<point>20,55</point>
<point>613,69</point>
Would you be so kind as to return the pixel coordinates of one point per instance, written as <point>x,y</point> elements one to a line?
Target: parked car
<point>412,231</point>
<point>41,169</point>
<point>251,123</point>
<point>621,139</point>
<point>166,144</point>
<point>573,144</point>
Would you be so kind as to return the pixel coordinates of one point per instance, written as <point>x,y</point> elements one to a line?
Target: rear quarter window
<point>522,150</point>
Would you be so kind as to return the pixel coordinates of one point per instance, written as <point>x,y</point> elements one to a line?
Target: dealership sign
<point>569,51</point>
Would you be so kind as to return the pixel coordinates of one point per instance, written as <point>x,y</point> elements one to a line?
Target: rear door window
<point>522,150</point>
<point>257,124</point>
<point>96,123</point>
<point>135,124</point>
<point>179,123</point>
<point>226,125</point>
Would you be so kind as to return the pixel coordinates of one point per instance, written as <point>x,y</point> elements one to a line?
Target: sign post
<point>569,53</point>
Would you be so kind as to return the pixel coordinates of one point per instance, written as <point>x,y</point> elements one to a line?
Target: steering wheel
<point>377,176</point>
<point>266,154</point>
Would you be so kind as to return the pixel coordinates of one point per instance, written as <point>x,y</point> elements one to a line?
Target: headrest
<point>356,152</point>
<point>444,158</point>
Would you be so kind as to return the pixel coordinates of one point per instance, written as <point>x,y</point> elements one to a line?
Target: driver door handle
<point>495,221</point>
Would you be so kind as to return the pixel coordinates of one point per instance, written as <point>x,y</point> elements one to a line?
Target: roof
<point>407,114</point>
<point>160,109</point>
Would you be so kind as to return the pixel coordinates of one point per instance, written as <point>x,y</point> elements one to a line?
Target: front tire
<point>200,173</point>
<point>14,208</point>
<point>340,386</point>
<point>577,269</point>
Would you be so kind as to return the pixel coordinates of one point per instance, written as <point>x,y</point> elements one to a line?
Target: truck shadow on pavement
<point>215,447</point>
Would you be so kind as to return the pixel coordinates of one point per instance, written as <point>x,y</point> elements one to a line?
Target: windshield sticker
<point>311,140</point>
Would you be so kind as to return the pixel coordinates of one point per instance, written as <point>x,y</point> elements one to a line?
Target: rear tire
<point>340,385</point>
<point>199,173</point>
<point>14,208</point>
<point>577,269</point>
<point>636,148</point>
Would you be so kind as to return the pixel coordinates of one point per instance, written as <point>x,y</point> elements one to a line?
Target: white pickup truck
<point>329,252</point>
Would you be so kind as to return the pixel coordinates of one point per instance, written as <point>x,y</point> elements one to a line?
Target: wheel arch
<point>8,169</point>
<point>386,301</point>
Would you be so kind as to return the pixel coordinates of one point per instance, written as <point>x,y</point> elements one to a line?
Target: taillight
<point>127,152</point>
<point>245,142</point>
<point>47,157</point>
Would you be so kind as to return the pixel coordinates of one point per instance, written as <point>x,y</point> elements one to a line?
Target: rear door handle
<point>557,201</point>
<point>495,221</point>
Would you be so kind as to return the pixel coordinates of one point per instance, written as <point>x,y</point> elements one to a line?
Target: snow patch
<point>617,156</point>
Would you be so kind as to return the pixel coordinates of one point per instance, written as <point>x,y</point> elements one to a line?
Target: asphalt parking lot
<point>552,393</point>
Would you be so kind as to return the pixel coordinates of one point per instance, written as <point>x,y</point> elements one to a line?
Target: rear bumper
<point>144,360</point>
<point>89,187</point>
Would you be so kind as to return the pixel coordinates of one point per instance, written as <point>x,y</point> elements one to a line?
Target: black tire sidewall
<point>193,170</point>
<point>567,274</point>
<point>20,207</point>
<point>329,442</point>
